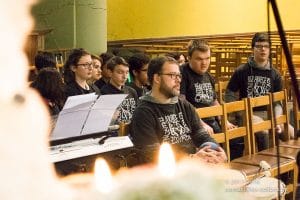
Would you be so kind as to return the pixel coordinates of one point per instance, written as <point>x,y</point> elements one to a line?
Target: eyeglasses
<point>259,46</point>
<point>172,75</point>
<point>85,65</point>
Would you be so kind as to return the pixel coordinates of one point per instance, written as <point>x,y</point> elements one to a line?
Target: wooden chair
<point>284,119</point>
<point>296,115</point>
<point>123,129</point>
<point>288,148</point>
<point>240,108</point>
<point>281,97</point>
<point>213,111</point>
<point>287,163</point>
<point>251,171</point>
<point>222,85</point>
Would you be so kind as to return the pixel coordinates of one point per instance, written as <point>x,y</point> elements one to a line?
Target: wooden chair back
<point>222,85</point>
<point>296,115</point>
<point>213,111</point>
<point>267,124</point>
<point>240,109</point>
<point>281,97</point>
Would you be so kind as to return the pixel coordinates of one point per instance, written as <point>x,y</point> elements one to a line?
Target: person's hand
<point>230,125</point>
<point>208,129</point>
<point>278,129</point>
<point>211,156</point>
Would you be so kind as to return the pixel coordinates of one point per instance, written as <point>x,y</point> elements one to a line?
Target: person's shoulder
<point>130,90</point>
<point>186,69</point>
<point>144,107</point>
<point>71,89</point>
<point>243,67</point>
<point>184,103</point>
<point>275,70</point>
<point>95,89</point>
<point>105,89</point>
<point>211,78</point>
<point>71,86</point>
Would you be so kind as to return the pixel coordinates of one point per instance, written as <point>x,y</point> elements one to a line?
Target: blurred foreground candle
<point>103,178</point>
<point>166,162</point>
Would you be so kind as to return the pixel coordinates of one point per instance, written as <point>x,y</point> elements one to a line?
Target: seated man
<point>161,117</point>
<point>138,67</point>
<point>118,69</point>
<point>256,78</point>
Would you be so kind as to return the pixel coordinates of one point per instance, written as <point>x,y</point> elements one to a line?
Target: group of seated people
<point>163,95</point>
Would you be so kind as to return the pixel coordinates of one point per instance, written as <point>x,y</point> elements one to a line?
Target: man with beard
<point>162,117</point>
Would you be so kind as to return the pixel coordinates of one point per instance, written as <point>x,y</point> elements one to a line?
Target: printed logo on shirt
<point>126,110</point>
<point>204,93</point>
<point>258,86</point>
<point>175,128</point>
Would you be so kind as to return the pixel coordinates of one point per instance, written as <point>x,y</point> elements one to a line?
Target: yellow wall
<point>136,19</point>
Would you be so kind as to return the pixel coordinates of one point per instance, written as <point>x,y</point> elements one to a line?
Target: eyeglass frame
<point>173,76</point>
<point>260,47</point>
<point>86,65</point>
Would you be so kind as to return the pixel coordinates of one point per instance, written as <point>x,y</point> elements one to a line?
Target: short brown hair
<point>199,45</point>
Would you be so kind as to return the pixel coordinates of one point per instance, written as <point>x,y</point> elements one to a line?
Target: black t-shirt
<point>177,124</point>
<point>253,82</point>
<point>73,89</point>
<point>198,89</point>
<point>127,106</point>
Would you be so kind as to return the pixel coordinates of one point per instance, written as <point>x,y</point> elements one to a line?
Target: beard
<point>167,91</point>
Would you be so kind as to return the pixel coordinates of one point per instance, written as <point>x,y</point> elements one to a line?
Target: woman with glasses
<point>77,71</point>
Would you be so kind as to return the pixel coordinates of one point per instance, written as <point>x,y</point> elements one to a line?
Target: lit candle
<point>103,178</point>
<point>166,162</point>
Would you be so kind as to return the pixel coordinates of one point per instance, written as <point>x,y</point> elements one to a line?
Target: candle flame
<point>166,162</point>
<point>103,178</point>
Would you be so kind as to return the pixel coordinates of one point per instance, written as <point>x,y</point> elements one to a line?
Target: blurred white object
<point>265,188</point>
<point>26,172</point>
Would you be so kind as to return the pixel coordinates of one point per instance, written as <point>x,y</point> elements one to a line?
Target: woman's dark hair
<point>44,59</point>
<point>73,60</point>
<point>50,85</point>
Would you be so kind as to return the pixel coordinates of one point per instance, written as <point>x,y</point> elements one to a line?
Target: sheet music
<point>87,147</point>
<point>77,100</point>
<point>99,121</point>
<point>109,102</point>
<point>86,114</point>
<point>69,125</point>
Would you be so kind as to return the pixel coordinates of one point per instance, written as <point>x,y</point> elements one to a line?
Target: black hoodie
<point>176,123</point>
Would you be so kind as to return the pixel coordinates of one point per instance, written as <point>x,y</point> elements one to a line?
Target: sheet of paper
<point>86,114</point>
